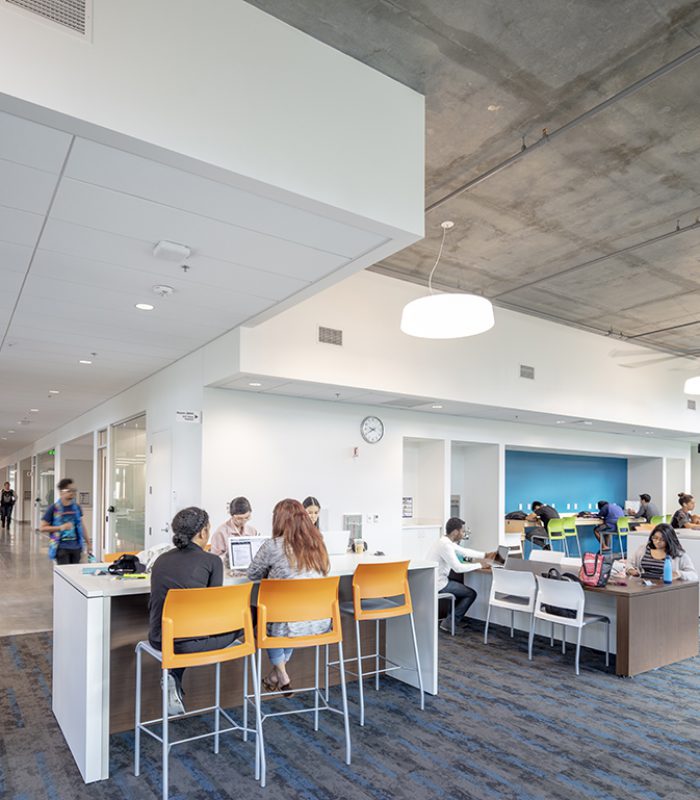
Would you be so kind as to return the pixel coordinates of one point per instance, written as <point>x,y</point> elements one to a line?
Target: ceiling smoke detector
<point>172,251</point>
<point>162,290</point>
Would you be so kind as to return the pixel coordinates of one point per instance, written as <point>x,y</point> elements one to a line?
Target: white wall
<point>228,85</point>
<point>646,475</point>
<point>81,474</point>
<point>268,447</point>
<point>476,478</point>
<point>424,480</point>
<point>481,369</point>
<point>677,480</point>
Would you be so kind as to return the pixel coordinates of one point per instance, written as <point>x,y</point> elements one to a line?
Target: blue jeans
<point>279,655</point>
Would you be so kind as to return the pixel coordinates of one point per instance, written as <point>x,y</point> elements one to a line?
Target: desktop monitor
<point>242,550</point>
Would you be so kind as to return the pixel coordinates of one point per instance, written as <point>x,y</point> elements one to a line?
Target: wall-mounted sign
<point>189,416</point>
<point>51,453</point>
<point>407,508</point>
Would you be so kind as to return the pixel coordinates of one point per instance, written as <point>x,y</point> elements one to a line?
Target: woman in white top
<point>650,557</point>
<point>236,525</point>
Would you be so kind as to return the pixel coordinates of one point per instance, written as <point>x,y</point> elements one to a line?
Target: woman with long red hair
<point>296,550</point>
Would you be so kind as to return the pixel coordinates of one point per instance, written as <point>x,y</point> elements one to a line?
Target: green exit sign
<point>52,452</point>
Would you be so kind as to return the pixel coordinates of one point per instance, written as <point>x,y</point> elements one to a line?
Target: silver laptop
<point>242,550</point>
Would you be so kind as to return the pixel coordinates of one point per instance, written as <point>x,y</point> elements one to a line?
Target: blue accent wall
<point>557,479</point>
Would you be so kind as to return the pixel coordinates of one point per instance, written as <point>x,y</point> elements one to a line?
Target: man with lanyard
<point>63,520</point>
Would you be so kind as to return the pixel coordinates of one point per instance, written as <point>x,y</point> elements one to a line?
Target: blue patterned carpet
<point>501,728</point>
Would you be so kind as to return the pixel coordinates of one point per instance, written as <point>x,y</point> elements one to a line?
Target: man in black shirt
<point>541,514</point>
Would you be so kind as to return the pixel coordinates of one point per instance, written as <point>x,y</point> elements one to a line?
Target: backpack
<point>516,515</point>
<point>595,569</point>
<point>127,563</point>
<point>555,575</point>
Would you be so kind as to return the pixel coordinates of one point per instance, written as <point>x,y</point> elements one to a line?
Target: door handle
<point>111,509</point>
<point>166,529</point>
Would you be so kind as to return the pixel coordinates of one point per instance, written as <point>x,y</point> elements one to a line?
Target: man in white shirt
<point>445,552</point>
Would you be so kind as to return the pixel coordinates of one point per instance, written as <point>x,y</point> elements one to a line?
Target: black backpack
<point>555,575</point>
<point>516,515</point>
<point>126,564</point>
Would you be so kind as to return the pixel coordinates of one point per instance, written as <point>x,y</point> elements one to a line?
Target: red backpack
<point>595,570</point>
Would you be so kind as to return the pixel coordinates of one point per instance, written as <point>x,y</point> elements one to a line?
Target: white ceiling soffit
<point>265,384</point>
<point>78,223</point>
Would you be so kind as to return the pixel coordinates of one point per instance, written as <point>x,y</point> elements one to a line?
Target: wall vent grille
<point>527,372</point>
<point>330,336</point>
<point>405,402</point>
<point>68,15</point>
<point>692,405</point>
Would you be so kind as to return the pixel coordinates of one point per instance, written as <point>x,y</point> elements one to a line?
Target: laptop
<point>242,550</point>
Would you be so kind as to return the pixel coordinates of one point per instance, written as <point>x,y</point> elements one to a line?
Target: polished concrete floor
<point>26,581</point>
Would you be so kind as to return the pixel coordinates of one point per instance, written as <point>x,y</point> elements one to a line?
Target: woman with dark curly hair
<point>649,558</point>
<point>185,567</point>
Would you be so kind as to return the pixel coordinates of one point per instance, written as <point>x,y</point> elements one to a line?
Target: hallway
<point>26,573</point>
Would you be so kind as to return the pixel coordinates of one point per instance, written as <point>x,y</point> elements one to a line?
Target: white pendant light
<point>692,385</point>
<point>451,315</point>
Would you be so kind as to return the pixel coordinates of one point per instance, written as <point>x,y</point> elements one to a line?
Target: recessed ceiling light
<point>144,306</point>
<point>436,406</point>
<point>255,383</point>
<point>648,433</point>
<point>587,422</point>
<point>10,431</point>
<point>34,410</point>
<point>4,438</point>
<point>84,361</point>
<point>561,421</point>
<point>54,391</point>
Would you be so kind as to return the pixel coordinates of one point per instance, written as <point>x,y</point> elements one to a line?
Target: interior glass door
<point>45,483</point>
<point>127,510</point>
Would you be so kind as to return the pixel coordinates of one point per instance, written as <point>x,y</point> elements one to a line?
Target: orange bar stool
<point>303,600</point>
<point>373,587</point>
<point>112,557</point>
<point>193,614</point>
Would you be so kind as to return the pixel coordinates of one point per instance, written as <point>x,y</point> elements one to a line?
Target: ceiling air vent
<point>527,372</point>
<point>330,336</point>
<point>692,405</point>
<point>68,15</point>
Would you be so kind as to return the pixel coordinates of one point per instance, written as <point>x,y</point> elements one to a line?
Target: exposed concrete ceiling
<point>496,73</point>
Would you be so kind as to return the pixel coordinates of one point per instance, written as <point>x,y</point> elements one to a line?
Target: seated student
<point>683,518</point>
<point>541,514</point>
<point>609,513</point>
<point>649,558</point>
<point>445,552</point>
<point>185,567</point>
<point>237,525</point>
<point>313,509</point>
<point>646,510</point>
<point>296,550</point>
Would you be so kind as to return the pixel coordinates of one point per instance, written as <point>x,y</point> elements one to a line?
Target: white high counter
<point>99,618</point>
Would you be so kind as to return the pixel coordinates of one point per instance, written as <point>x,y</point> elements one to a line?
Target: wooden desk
<point>651,626</point>
<point>656,625</point>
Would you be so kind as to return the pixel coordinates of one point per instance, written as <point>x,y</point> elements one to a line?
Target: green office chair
<point>623,528</point>
<point>555,533</point>
<point>570,530</point>
<point>657,520</point>
<point>668,518</point>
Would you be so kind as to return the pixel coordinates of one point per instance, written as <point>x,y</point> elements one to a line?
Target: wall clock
<point>372,429</point>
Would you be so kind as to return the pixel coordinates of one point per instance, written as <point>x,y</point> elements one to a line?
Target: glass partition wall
<point>127,511</point>
<point>45,483</point>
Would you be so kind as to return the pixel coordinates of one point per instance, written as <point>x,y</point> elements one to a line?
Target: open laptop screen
<point>242,550</point>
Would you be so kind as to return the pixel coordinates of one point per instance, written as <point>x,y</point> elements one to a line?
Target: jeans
<point>279,656</point>
<point>66,555</point>
<point>464,597</point>
<point>6,514</point>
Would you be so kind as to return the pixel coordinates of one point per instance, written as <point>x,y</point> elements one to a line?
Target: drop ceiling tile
<point>19,227</point>
<point>110,248</point>
<point>106,210</point>
<point>25,188</point>
<point>32,144</point>
<point>123,172</point>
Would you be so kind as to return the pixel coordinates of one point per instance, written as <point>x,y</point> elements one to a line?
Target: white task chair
<point>550,556</point>
<point>451,598</point>
<point>511,590</point>
<point>565,595</point>
<point>514,542</point>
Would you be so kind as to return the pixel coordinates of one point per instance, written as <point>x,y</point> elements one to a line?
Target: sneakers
<point>175,704</point>
<point>445,628</point>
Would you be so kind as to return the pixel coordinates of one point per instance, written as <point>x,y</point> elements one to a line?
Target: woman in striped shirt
<point>649,558</point>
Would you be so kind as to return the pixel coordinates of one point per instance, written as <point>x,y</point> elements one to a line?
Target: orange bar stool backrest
<point>385,579</point>
<point>196,613</point>
<point>298,600</point>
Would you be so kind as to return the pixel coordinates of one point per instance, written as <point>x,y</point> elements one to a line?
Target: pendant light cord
<point>437,260</point>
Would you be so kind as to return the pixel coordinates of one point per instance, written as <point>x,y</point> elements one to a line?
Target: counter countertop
<point>112,586</point>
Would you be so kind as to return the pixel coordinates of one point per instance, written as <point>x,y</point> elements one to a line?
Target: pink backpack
<point>595,570</point>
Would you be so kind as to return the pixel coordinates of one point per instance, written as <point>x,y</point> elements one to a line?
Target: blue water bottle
<point>668,570</point>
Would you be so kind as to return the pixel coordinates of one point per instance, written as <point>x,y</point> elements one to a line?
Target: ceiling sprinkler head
<point>163,290</point>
